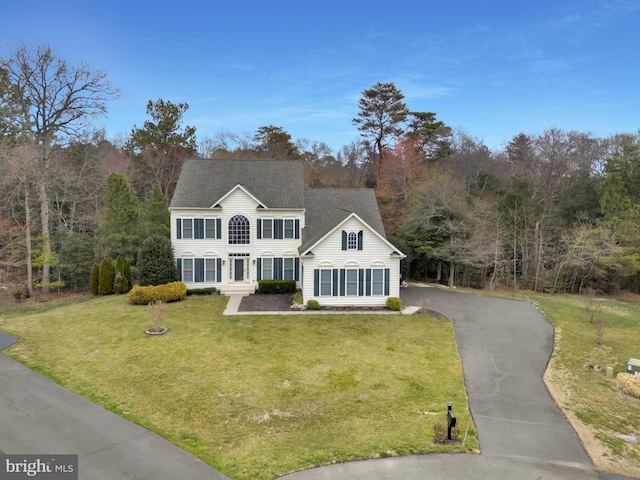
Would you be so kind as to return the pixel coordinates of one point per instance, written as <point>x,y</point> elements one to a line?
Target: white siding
<point>329,254</point>
<point>236,203</point>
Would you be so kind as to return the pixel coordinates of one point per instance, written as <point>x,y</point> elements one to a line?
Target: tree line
<point>555,211</point>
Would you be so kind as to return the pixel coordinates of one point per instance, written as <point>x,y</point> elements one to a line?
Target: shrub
<point>313,305</point>
<point>629,384</point>
<point>277,286</point>
<point>423,305</point>
<point>394,303</point>
<point>105,277</point>
<point>156,264</point>
<point>95,278</point>
<point>202,291</point>
<point>121,283</point>
<point>157,312</point>
<point>168,292</point>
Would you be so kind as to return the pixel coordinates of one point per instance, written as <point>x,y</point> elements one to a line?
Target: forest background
<point>557,211</point>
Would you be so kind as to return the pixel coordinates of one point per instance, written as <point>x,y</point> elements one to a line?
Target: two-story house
<point>235,222</point>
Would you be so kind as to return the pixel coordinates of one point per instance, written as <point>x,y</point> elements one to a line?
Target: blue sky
<point>492,69</point>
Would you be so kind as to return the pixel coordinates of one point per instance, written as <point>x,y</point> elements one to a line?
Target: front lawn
<point>255,396</point>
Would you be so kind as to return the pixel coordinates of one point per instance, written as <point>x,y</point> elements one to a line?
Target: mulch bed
<point>262,302</point>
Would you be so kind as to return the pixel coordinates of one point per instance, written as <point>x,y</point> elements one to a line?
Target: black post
<point>451,420</point>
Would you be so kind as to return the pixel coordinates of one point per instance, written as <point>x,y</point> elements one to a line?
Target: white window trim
<point>346,282</point>
<point>352,241</point>
<point>330,273</point>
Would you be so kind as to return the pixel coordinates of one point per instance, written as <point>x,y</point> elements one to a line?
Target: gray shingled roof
<point>327,207</point>
<point>276,183</point>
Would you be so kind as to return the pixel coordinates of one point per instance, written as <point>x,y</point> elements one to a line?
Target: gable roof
<point>275,183</point>
<point>328,207</point>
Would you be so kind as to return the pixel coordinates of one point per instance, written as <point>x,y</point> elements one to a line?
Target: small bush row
<point>202,291</point>
<point>629,384</point>
<point>277,286</point>
<point>168,292</point>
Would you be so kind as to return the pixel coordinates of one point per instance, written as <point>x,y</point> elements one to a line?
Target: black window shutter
<point>360,240</point>
<point>342,281</point>
<point>316,282</point>
<point>218,228</point>
<point>296,269</point>
<point>199,270</point>
<point>386,281</point>
<point>296,229</point>
<point>259,268</point>
<point>361,282</point>
<point>334,290</point>
<point>179,265</point>
<point>178,228</point>
<point>367,286</point>
<point>278,228</point>
<point>344,240</point>
<point>277,268</point>
<point>198,228</point>
<point>218,269</point>
<point>259,228</point>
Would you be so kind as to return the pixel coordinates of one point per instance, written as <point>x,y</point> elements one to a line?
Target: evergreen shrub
<point>277,286</point>
<point>95,278</point>
<point>168,292</point>
<point>156,264</point>
<point>394,303</point>
<point>105,278</point>
<point>313,305</point>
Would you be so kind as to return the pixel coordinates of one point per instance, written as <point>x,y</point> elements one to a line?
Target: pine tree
<point>156,264</point>
<point>156,214</point>
<point>118,231</point>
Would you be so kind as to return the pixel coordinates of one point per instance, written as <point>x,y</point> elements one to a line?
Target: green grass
<point>594,399</point>
<point>254,396</point>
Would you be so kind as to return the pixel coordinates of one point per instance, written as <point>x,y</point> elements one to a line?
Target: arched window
<point>352,241</point>
<point>239,231</point>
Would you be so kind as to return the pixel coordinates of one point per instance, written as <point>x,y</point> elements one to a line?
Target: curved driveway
<point>505,346</point>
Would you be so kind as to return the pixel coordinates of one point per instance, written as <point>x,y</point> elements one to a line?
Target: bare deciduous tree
<point>56,103</point>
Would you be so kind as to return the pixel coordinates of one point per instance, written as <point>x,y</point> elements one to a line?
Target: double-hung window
<point>377,281</point>
<point>351,281</point>
<point>267,268</point>
<point>187,270</point>
<point>267,228</point>
<point>288,228</point>
<point>326,282</point>
<point>289,264</point>
<point>187,228</point>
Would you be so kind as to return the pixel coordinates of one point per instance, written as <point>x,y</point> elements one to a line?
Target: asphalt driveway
<point>505,346</point>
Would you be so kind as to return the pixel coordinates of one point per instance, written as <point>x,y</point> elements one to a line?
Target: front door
<point>238,269</point>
